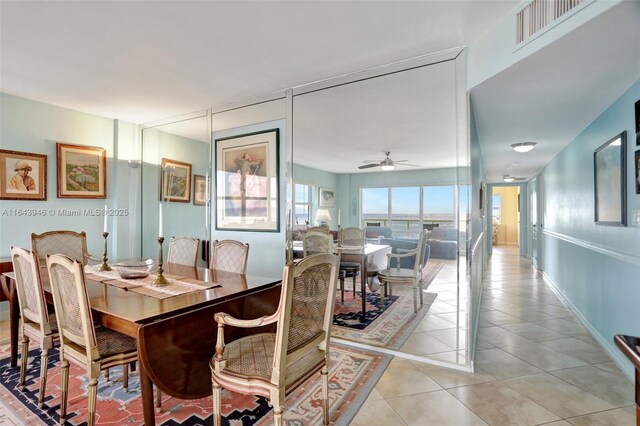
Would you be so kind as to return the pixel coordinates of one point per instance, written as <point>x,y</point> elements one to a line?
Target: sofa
<point>443,242</point>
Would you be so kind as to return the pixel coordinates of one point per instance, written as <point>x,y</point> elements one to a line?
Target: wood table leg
<point>9,290</point>
<point>146,390</point>
<point>363,285</point>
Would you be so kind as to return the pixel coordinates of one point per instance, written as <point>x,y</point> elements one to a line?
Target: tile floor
<point>535,364</point>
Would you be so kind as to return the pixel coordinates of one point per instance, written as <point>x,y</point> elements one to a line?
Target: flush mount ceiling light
<point>523,146</point>
<point>508,178</point>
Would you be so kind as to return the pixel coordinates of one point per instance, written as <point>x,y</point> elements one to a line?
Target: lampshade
<point>523,146</point>
<point>323,216</point>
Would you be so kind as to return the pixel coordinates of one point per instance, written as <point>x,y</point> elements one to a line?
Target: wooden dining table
<point>176,336</point>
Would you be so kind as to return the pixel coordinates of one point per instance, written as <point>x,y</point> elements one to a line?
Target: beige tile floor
<point>535,363</point>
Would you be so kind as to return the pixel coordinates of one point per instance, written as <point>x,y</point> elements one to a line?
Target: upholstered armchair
<point>396,274</point>
<point>229,256</point>
<point>69,243</point>
<point>183,251</point>
<point>37,324</point>
<point>274,364</point>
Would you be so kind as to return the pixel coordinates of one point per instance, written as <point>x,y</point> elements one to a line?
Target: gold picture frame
<point>23,176</point>
<point>175,181</point>
<point>82,171</point>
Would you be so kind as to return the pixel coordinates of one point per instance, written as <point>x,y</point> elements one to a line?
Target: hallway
<point>535,364</point>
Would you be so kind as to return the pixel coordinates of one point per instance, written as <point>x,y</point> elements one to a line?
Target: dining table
<point>176,336</point>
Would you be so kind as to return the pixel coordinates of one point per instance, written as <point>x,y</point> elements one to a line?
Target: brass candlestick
<point>160,279</point>
<point>105,266</point>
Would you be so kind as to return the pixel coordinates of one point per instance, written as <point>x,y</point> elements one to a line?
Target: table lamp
<point>323,217</point>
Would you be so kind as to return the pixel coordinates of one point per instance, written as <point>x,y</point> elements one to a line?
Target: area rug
<point>389,326</point>
<point>353,374</point>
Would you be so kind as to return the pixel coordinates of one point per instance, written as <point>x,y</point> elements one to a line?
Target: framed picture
<point>82,171</point>
<point>199,190</point>
<point>247,185</point>
<point>610,182</point>
<point>176,181</point>
<point>326,197</point>
<point>637,164</point>
<point>481,198</point>
<point>23,176</point>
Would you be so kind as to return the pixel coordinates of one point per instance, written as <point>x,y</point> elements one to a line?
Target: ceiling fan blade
<point>520,179</point>
<point>399,161</point>
<point>410,165</point>
<point>371,161</point>
<point>368,166</point>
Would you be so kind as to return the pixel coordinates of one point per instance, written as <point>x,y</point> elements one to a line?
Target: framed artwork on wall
<point>176,181</point>
<point>609,163</point>
<point>326,197</point>
<point>23,176</point>
<point>82,171</point>
<point>247,183</point>
<point>199,190</point>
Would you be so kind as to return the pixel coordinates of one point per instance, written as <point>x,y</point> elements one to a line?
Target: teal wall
<point>179,219</point>
<point>320,178</point>
<point>30,126</point>
<point>595,267</point>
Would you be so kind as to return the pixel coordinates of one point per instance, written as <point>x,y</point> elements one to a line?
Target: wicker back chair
<point>183,251</point>
<point>229,256</point>
<point>394,274</point>
<point>352,237</point>
<point>37,324</point>
<point>273,364</point>
<point>70,243</point>
<point>323,229</point>
<point>81,343</point>
<point>317,242</point>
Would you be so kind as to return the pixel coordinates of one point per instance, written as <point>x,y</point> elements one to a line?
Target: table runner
<point>177,284</point>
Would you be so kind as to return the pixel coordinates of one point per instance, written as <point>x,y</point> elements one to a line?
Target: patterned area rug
<point>387,327</point>
<point>353,374</point>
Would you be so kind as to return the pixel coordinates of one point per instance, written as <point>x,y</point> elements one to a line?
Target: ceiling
<point>555,93</point>
<point>148,60</point>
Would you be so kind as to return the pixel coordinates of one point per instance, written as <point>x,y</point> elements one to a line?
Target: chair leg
<point>65,387</point>
<point>421,287</point>
<point>158,399</point>
<point>93,394</point>
<point>106,374</point>
<point>24,354</point>
<point>383,290</point>
<point>125,376</point>
<point>277,398</point>
<point>44,367</point>
<point>217,396</point>
<point>325,395</point>
<point>342,289</point>
<point>354,285</point>
<point>415,299</point>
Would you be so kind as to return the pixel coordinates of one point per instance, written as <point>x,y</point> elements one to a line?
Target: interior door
<point>533,215</point>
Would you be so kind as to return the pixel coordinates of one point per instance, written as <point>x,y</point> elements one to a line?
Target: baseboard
<point>619,359</point>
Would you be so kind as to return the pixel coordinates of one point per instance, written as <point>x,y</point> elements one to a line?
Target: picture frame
<point>199,190</point>
<point>610,189</point>
<point>82,171</point>
<point>175,181</point>
<point>23,176</point>
<point>637,167</point>
<point>247,182</point>
<point>326,197</point>
<point>481,191</point>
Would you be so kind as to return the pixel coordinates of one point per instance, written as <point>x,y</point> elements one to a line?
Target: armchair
<point>396,274</point>
<point>69,243</point>
<point>183,251</point>
<point>273,364</point>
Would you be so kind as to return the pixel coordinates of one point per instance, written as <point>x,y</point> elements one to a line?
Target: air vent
<point>540,13</point>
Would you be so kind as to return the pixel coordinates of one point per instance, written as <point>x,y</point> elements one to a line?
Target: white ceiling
<point>148,60</point>
<point>552,95</point>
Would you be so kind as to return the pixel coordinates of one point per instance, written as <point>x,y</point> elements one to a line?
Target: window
<point>302,202</point>
<point>496,213</point>
<point>405,211</point>
<point>438,204</point>
<point>375,206</point>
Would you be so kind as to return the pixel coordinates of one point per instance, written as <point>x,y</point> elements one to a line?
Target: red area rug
<point>353,374</point>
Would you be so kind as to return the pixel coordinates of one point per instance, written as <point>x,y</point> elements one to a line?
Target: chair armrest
<point>401,250</point>
<point>398,256</point>
<point>223,318</point>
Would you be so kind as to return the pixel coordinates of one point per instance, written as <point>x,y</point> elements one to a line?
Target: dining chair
<point>230,256</point>
<point>69,243</point>
<point>351,237</point>
<point>317,242</point>
<point>183,251</point>
<point>323,229</point>
<point>81,343</point>
<point>396,274</point>
<point>37,324</point>
<point>273,364</point>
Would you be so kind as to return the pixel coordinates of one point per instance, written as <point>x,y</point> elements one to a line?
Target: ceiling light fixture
<point>508,178</point>
<point>523,146</point>
<point>387,165</point>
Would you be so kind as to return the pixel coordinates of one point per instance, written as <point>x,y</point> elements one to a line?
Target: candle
<point>160,221</point>
<point>105,218</point>
<point>339,214</point>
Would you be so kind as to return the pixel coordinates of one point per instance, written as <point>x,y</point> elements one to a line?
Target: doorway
<point>505,219</point>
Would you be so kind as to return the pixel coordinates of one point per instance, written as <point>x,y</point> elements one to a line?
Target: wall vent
<point>540,13</point>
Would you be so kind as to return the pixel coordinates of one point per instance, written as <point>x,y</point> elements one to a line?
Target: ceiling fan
<point>387,163</point>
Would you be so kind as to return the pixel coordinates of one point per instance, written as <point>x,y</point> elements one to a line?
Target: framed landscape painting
<point>609,162</point>
<point>176,181</point>
<point>23,176</point>
<point>247,184</point>
<point>82,171</point>
<point>199,190</point>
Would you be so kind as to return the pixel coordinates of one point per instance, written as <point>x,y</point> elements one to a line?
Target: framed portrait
<point>176,181</point>
<point>247,185</point>
<point>199,190</point>
<point>326,197</point>
<point>82,171</point>
<point>23,176</point>
<point>637,166</point>
<point>610,182</point>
